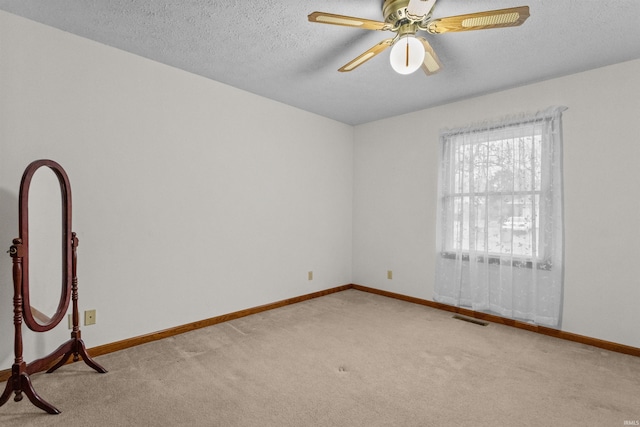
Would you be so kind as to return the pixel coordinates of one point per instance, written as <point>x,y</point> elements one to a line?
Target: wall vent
<point>470,320</point>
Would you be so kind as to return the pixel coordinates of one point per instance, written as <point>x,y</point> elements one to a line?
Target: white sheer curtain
<point>500,218</point>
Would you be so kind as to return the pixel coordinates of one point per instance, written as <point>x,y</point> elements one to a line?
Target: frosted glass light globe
<point>406,55</point>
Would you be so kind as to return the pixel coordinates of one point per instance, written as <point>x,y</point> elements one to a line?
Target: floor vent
<point>470,320</point>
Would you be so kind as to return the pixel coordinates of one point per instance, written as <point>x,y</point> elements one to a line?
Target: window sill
<point>497,260</point>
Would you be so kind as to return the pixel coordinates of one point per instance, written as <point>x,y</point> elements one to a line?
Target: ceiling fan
<point>406,18</point>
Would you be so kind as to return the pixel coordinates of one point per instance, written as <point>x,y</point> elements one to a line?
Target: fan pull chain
<point>407,56</point>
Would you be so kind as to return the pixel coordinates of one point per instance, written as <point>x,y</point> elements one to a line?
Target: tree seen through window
<point>495,195</point>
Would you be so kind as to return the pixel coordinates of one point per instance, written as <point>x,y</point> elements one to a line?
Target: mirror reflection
<point>45,244</point>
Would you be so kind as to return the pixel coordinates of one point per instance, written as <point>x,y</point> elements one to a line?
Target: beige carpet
<point>346,359</point>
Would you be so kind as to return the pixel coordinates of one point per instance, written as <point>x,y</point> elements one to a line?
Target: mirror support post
<point>20,382</point>
<point>75,346</point>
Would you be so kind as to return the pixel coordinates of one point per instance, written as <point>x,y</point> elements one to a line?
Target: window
<point>494,192</point>
<point>500,222</point>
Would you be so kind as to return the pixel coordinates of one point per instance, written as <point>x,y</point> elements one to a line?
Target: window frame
<point>448,243</point>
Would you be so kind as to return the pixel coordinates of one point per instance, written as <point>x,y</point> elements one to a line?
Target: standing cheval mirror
<point>39,298</point>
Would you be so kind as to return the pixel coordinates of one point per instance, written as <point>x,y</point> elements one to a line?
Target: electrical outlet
<point>70,320</point>
<point>310,275</point>
<point>389,274</point>
<point>89,317</point>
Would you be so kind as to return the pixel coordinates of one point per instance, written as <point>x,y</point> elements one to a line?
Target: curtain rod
<point>509,121</point>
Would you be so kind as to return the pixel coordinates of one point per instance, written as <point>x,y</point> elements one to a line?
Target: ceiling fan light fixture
<point>407,55</point>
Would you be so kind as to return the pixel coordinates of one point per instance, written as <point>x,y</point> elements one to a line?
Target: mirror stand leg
<point>20,383</point>
<point>75,347</point>
<point>7,392</point>
<point>61,362</point>
<point>27,388</point>
<point>81,350</point>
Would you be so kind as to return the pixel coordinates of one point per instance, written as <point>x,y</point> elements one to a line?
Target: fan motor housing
<point>395,11</point>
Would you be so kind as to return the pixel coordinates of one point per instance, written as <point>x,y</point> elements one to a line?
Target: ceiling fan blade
<point>418,9</point>
<point>348,21</point>
<point>479,21</point>
<point>431,63</point>
<point>349,66</point>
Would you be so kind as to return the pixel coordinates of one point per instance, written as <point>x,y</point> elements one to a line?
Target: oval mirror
<point>45,230</point>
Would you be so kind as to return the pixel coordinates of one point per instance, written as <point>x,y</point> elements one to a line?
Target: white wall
<point>191,198</point>
<point>194,199</point>
<point>395,181</point>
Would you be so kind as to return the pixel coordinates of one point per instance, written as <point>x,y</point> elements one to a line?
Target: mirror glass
<point>45,244</point>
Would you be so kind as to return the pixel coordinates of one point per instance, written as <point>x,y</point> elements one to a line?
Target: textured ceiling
<point>268,47</point>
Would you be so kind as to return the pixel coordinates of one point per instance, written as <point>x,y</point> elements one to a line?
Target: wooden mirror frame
<point>65,293</point>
